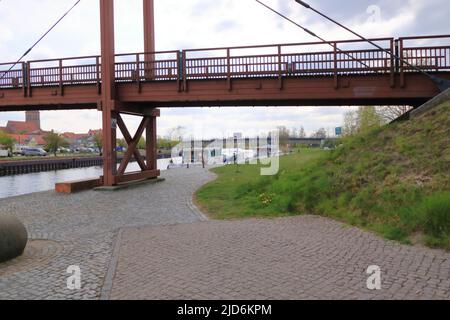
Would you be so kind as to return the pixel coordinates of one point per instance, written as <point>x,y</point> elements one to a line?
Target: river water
<point>44,181</point>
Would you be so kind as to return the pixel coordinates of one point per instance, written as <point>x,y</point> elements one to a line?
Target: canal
<point>16,185</point>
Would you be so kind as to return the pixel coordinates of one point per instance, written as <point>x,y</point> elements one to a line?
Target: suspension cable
<point>41,38</point>
<point>443,84</point>
<point>314,34</point>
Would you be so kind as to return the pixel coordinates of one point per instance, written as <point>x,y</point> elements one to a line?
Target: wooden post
<point>392,63</point>
<point>28,75</point>
<point>280,71</point>
<point>149,26</point>
<point>152,144</point>
<point>184,68</point>
<point>24,78</point>
<point>402,65</point>
<point>229,70</point>
<point>61,88</point>
<point>179,70</point>
<point>138,72</point>
<point>97,70</point>
<point>150,47</point>
<point>108,92</point>
<point>336,79</point>
<point>149,38</point>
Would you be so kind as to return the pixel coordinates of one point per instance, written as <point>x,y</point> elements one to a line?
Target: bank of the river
<point>41,164</point>
<point>50,156</point>
<point>8,168</point>
<point>22,184</point>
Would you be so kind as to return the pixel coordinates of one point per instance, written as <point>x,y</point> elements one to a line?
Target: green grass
<point>434,213</point>
<point>233,195</point>
<point>394,181</point>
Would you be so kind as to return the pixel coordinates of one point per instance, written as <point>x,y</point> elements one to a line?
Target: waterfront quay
<point>8,168</point>
<point>152,242</point>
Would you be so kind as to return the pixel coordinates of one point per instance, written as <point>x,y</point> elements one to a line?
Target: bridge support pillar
<point>149,166</point>
<point>149,39</point>
<point>112,108</point>
<point>109,146</point>
<point>149,26</point>
<point>108,91</point>
<point>152,144</point>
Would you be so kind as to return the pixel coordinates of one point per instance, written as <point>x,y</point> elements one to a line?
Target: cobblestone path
<point>150,242</point>
<point>304,257</point>
<point>85,226</point>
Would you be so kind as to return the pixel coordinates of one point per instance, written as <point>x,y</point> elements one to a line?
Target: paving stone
<point>86,224</point>
<point>306,257</point>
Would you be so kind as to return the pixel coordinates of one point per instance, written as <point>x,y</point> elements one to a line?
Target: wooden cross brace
<point>132,144</point>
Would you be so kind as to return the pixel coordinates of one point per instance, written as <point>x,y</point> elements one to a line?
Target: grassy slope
<point>394,180</point>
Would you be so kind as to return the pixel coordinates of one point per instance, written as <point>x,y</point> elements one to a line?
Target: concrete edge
<point>129,185</point>
<point>108,282</point>
<point>433,103</point>
<point>195,209</point>
<point>190,200</point>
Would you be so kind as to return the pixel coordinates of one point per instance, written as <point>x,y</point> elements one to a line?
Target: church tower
<point>33,117</point>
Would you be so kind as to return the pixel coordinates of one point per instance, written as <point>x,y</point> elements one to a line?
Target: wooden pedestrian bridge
<point>349,72</point>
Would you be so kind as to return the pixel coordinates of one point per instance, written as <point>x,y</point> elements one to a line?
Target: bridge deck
<point>338,73</point>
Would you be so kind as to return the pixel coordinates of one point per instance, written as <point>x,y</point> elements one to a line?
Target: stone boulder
<point>13,237</point>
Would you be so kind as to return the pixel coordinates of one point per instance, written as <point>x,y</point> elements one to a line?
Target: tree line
<point>369,117</point>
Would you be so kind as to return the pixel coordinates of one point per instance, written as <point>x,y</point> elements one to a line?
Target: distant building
<point>92,133</point>
<point>29,132</point>
<point>77,140</point>
<point>26,132</point>
<point>226,150</point>
<point>33,118</point>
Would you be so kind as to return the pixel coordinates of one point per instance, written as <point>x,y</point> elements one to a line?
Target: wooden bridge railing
<point>349,57</point>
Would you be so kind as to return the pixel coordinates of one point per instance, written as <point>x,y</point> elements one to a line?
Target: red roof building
<point>75,136</point>
<point>28,131</point>
<point>31,125</point>
<point>38,141</point>
<point>92,133</point>
<point>19,127</point>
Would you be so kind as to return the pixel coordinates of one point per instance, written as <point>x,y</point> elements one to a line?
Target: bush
<point>435,211</point>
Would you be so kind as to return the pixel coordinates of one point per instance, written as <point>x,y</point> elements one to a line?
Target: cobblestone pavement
<point>85,226</point>
<point>302,257</point>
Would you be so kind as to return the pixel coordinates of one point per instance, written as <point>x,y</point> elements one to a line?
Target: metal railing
<point>299,59</point>
<point>429,58</point>
<point>337,58</point>
<point>13,78</point>
<point>157,66</point>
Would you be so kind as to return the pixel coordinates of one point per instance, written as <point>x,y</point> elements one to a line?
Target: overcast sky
<point>182,24</point>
